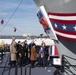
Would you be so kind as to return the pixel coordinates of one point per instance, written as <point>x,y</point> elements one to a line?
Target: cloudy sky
<point>24,18</point>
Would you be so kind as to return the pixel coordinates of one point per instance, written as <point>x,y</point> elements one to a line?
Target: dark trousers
<point>21,61</point>
<point>27,55</point>
<point>32,63</point>
<point>13,63</point>
<point>42,61</point>
<point>17,56</point>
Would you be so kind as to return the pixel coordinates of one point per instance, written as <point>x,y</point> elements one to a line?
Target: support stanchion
<point>30,70</point>
<point>25,70</point>
<point>21,70</point>
<point>16,70</point>
<point>63,63</point>
<point>9,71</point>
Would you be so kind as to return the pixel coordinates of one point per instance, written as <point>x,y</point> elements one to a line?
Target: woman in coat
<point>33,56</point>
<point>13,52</point>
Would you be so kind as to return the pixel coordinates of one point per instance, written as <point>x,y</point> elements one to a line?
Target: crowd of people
<point>22,53</point>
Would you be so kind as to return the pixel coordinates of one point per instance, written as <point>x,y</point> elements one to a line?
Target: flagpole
<point>49,23</point>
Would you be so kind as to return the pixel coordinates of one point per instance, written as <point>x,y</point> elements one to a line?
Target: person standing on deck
<point>26,48</point>
<point>33,56</point>
<point>30,46</point>
<point>13,52</point>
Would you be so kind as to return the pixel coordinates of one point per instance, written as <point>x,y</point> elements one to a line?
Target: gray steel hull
<point>58,5</point>
<point>65,47</point>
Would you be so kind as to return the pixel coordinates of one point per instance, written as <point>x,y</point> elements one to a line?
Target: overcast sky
<point>24,19</point>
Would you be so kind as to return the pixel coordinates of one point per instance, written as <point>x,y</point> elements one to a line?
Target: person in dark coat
<point>17,54</point>
<point>25,58</point>
<point>26,49</point>
<point>21,53</point>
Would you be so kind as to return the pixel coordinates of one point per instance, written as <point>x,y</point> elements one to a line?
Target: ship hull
<point>65,47</point>
<point>68,49</point>
<point>58,5</point>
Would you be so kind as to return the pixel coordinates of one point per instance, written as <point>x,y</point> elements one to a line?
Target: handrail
<point>69,57</point>
<point>5,64</point>
<point>21,69</point>
<point>66,64</point>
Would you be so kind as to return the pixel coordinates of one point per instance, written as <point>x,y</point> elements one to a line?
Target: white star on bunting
<point>56,25</point>
<point>74,27</point>
<point>64,27</point>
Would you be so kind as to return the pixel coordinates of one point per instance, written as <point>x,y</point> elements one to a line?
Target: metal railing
<point>17,70</point>
<point>69,69</point>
